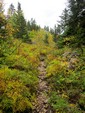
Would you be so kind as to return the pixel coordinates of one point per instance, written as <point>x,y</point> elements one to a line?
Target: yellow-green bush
<point>17,89</point>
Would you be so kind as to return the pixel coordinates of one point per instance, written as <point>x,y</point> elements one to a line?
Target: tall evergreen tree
<point>31,25</point>
<point>19,23</point>
<point>11,10</point>
<point>19,7</point>
<point>62,24</point>
<point>72,22</point>
<point>2,21</point>
<point>77,21</point>
<point>46,28</point>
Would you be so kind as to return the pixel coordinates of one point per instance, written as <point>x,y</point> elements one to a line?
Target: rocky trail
<point>42,93</point>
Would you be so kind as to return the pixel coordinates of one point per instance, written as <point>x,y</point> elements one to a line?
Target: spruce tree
<point>11,10</point>
<point>72,22</point>
<point>77,21</point>
<point>62,24</point>
<point>2,21</point>
<point>31,25</point>
<point>21,24</point>
<point>18,22</point>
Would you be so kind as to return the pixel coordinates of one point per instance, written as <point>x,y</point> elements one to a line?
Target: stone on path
<point>41,105</point>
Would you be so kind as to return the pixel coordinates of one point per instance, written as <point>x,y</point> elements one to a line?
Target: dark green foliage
<point>52,31</point>
<point>3,23</point>
<point>22,30</point>
<point>19,7</point>
<point>31,25</point>
<point>18,23</point>
<point>46,28</point>
<point>76,19</point>
<point>58,103</point>
<point>72,22</point>
<point>46,39</point>
<point>60,42</point>
<point>63,23</point>
<point>11,10</point>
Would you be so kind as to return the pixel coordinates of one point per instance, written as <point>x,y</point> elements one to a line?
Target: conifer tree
<point>31,25</point>
<point>2,21</point>
<point>21,24</point>
<point>11,10</point>
<point>77,21</point>
<point>72,22</point>
<point>62,24</point>
<point>18,22</point>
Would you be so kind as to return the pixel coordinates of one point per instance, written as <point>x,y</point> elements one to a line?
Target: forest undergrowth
<point>19,75</point>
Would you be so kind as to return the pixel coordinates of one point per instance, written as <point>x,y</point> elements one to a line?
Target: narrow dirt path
<point>42,93</point>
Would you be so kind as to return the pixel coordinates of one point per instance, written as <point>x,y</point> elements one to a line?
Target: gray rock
<point>66,54</point>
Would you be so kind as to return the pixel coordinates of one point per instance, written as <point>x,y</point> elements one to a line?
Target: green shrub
<point>58,103</point>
